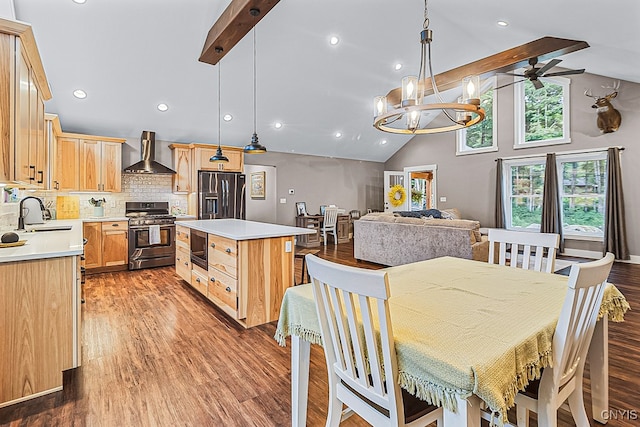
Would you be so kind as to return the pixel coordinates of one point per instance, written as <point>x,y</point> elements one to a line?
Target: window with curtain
<point>582,180</point>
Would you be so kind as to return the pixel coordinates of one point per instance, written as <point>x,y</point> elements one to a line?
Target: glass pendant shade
<point>413,120</point>
<point>462,117</point>
<point>471,89</point>
<point>409,90</point>
<point>379,105</point>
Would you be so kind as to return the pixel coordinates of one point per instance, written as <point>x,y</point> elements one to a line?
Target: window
<point>524,184</point>
<point>582,180</point>
<point>542,115</point>
<point>482,137</point>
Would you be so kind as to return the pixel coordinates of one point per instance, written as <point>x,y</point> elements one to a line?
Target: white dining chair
<point>571,339</point>
<point>538,249</point>
<point>330,224</point>
<point>353,311</point>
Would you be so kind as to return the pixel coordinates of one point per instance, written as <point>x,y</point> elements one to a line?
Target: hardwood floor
<point>155,353</point>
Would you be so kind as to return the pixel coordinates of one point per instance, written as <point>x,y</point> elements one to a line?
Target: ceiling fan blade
<point>509,84</point>
<point>512,74</point>
<point>565,73</point>
<point>549,65</point>
<point>537,84</point>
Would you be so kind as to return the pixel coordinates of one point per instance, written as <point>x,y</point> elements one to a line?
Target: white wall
<point>263,210</point>
<point>7,11</point>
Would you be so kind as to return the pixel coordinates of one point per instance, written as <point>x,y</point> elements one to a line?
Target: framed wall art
<point>257,184</point>
<point>301,208</point>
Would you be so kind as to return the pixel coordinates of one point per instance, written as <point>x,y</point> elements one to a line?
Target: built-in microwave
<point>199,248</point>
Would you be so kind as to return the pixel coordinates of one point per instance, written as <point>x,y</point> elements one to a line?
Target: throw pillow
<point>428,213</point>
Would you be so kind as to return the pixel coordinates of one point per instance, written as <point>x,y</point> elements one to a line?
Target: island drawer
<point>223,254</point>
<point>223,289</point>
<point>183,264</point>
<point>182,236</point>
<point>199,280</point>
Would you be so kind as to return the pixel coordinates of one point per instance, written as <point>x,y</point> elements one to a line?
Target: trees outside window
<point>542,115</point>
<point>582,180</point>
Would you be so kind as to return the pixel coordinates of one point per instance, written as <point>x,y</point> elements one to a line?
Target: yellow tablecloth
<point>461,327</point>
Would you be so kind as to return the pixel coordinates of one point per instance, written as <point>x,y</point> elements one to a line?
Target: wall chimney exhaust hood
<point>148,164</point>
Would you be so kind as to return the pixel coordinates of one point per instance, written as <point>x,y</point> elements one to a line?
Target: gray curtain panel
<point>615,229</point>
<point>551,221</point>
<point>499,212</point>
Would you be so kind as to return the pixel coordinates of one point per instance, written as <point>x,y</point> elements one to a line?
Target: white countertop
<point>238,229</point>
<point>46,244</point>
<point>104,219</point>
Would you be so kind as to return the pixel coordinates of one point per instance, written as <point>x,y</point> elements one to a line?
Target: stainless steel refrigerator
<point>221,195</point>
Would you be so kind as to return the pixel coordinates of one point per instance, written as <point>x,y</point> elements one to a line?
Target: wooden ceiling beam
<point>511,59</point>
<point>234,23</point>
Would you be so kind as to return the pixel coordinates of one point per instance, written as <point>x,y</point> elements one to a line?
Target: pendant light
<point>219,157</point>
<point>254,147</point>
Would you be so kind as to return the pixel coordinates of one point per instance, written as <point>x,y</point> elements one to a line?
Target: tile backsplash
<point>135,188</point>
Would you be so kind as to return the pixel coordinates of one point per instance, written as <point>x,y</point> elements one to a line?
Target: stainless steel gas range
<point>152,235</point>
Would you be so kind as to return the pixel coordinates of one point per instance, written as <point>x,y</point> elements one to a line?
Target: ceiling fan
<point>533,73</point>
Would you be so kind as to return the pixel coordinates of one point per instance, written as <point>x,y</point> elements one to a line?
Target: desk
<point>315,222</point>
<point>494,350</point>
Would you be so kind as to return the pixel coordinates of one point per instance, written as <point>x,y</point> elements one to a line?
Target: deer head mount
<point>608,117</point>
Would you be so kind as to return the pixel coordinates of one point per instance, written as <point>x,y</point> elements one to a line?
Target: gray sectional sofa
<point>388,239</point>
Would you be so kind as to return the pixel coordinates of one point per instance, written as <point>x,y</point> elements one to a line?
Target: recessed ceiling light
<point>227,117</point>
<point>163,107</point>
<point>502,23</point>
<point>338,134</point>
<point>80,94</point>
<point>398,66</point>
<point>277,125</point>
<point>80,1</point>
<point>334,40</point>
<point>384,141</point>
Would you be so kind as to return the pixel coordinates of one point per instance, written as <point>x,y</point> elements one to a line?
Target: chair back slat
<point>330,217</point>
<point>538,249</point>
<point>578,317</point>
<point>353,311</point>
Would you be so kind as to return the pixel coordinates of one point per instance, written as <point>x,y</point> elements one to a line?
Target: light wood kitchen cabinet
<point>202,154</point>
<point>182,166</point>
<point>199,280</point>
<point>87,163</point>
<point>107,247</point>
<point>183,263</point>
<point>24,154</point>
<point>100,165</point>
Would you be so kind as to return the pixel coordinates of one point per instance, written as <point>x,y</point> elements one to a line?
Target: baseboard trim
<point>581,253</point>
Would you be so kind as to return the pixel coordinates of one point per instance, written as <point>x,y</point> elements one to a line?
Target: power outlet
<point>287,246</point>
<point>283,200</point>
<point>443,199</point>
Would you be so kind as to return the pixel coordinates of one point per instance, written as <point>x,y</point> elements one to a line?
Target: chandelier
<point>406,116</point>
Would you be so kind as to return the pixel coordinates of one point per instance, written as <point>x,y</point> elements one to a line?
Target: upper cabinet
<point>87,163</point>
<point>24,153</point>
<point>188,159</point>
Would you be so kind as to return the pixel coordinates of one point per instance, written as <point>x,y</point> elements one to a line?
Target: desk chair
<point>533,245</point>
<point>359,347</point>
<point>329,224</point>
<point>571,339</point>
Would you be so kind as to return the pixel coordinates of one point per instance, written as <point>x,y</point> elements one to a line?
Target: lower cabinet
<point>107,247</point>
<point>244,278</point>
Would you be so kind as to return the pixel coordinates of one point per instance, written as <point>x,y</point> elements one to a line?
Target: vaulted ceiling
<point>131,55</point>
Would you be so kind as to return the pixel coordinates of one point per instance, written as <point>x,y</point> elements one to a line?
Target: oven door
<point>143,254</point>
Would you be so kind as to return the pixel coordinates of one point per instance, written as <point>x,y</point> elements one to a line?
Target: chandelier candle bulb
<point>471,90</point>
<point>409,90</point>
<point>379,105</point>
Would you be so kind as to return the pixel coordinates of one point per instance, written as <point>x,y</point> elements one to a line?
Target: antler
<point>615,86</point>
<point>588,93</point>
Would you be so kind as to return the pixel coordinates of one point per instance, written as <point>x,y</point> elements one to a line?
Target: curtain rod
<point>561,153</point>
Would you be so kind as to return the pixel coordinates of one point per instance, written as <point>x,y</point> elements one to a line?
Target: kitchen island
<point>40,306</point>
<point>243,267</point>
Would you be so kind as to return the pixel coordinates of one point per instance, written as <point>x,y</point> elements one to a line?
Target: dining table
<point>467,334</point>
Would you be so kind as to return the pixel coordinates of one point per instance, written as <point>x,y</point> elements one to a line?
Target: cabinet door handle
<point>213,279</point>
<point>57,185</point>
<point>186,263</point>
<point>213,245</point>
<point>228,250</point>
<point>177,233</point>
<point>228,289</point>
<point>41,179</point>
<point>178,258</point>
<point>177,188</point>
<point>198,280</point>
<point>32,169</point>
